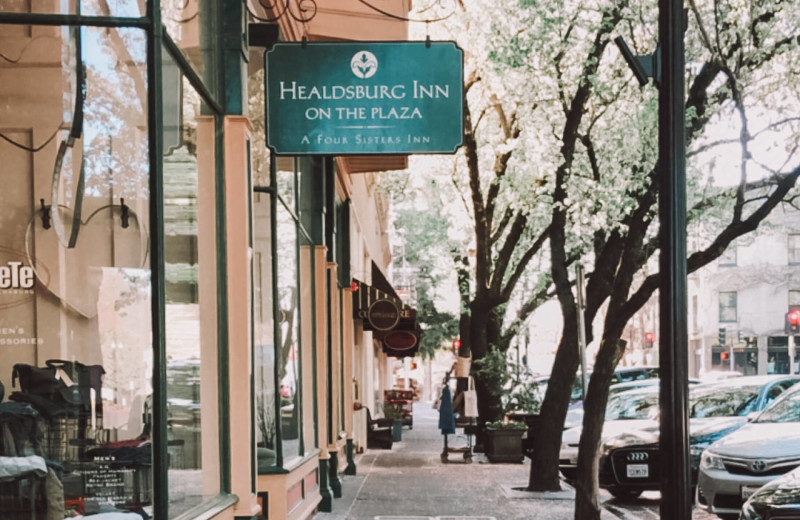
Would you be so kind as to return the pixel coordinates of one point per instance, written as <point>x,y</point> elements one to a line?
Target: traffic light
<point>649,338</point>
<point>456,344</point>
<point>722,335</point>
<point>724,356</point>
<point>793,322</point>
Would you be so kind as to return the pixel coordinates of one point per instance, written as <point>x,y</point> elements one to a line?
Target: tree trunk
<point>587,506</point>
<point>547,440</point>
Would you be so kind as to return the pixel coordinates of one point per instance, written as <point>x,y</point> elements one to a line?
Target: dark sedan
<point>629,464</point>
<point>779,499</point>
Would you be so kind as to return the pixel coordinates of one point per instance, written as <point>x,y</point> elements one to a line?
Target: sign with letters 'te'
<point>364,98</point>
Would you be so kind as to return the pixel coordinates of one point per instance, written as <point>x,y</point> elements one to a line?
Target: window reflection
<point>264,332</point>
<point>191,293</point>
<point>75,349</point>
<point>288,305</point>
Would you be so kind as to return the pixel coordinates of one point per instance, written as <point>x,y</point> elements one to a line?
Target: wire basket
<point>66,439</point>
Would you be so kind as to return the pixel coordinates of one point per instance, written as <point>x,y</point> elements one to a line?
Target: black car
<point>778,499</point>
<point>629,463</point>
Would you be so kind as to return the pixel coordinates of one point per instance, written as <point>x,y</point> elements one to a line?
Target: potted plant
<point>394,411</point>
<point>504,441</point>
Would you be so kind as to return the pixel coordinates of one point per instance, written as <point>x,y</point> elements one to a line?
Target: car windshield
<point>785,409</point>
<point>631,405</point>
<point>723,401</point>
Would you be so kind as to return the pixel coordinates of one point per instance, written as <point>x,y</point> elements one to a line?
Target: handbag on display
<point>62,383</point>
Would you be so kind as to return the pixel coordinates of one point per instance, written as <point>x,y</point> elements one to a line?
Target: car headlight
<point>748,513</point>
<point>695,450</point>
<point>710,461</point>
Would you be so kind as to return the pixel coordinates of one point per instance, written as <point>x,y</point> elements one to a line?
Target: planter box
<point>504,445</point>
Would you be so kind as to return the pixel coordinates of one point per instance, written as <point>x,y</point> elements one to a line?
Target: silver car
<point>734,467</point>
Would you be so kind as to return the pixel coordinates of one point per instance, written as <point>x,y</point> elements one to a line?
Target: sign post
<point>364,98</point>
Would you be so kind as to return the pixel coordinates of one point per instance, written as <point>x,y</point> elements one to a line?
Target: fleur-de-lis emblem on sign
<point>364,64</point>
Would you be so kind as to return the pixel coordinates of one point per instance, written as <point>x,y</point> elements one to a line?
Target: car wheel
<point>624,493</point>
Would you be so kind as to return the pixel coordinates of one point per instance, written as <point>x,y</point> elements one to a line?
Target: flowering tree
<point>560,163</point>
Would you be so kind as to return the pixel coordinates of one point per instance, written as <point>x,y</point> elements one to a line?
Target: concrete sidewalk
<point>410,482</point>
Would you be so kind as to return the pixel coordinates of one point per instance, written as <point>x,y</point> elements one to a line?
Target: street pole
<point>676,503</point>
<point>581,329</point>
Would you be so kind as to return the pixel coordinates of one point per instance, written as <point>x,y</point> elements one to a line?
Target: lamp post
<point>666,66</point>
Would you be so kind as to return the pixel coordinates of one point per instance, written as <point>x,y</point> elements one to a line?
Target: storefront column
<point>347,367</point>
<point>237,219</point>
<point>321,323</point>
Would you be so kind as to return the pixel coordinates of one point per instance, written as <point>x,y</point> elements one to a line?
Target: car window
<point>785,409</point>
<point>774,391</point>
<point>723,402</point>
<point>635,406</point>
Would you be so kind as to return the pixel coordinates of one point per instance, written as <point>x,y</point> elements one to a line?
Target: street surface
<point>410,482</point>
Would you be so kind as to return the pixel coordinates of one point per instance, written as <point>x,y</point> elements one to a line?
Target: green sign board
<point>364,98</point>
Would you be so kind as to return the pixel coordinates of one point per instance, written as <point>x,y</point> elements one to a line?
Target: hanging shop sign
<point>383,315</point>
<point>400,340</point>
<point>364,98</point>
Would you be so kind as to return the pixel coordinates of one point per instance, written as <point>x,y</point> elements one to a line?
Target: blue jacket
<point>447,421</point>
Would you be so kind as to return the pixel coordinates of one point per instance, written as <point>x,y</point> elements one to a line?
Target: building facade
<point>180,337</point>
<point>738,306</point>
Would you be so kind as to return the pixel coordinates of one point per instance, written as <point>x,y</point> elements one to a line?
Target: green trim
<point>75,19</point>
<point>232,35</point>
<point>333,468</point>
<point>223,336</point>
<point>276,325</point>
<point>209,508</point>
<point>279,470</point>
<point>326,504</point>
<point>189,73</point>
<point>350,450</point>
<point>158,301</point>
<point>298,226</point>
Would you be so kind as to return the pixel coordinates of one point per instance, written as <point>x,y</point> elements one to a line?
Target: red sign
<point>400,340</point>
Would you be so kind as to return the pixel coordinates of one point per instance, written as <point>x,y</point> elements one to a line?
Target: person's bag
<point>471,400</point>
<point>462,366</point>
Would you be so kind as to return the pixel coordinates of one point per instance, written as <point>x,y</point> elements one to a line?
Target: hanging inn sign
<point>364,98</point>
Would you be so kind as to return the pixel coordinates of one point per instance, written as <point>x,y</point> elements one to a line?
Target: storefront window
<point>190,24</point>
<point>122,8</point>
<point>288,358</point>
<point>263,333</point>
<point>191,296</point>
<point>75,344</point>
<point>278,382</point>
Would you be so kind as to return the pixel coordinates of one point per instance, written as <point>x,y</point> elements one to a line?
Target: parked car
<point>621,375</point>
<point>779,498</point>
<point>575,411</point>
<point>734,467</point>
<point>633,410</point>
<point>629,463</point>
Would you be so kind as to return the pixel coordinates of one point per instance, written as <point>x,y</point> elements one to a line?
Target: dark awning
<point>380,282</point>
<point>402,329</point>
